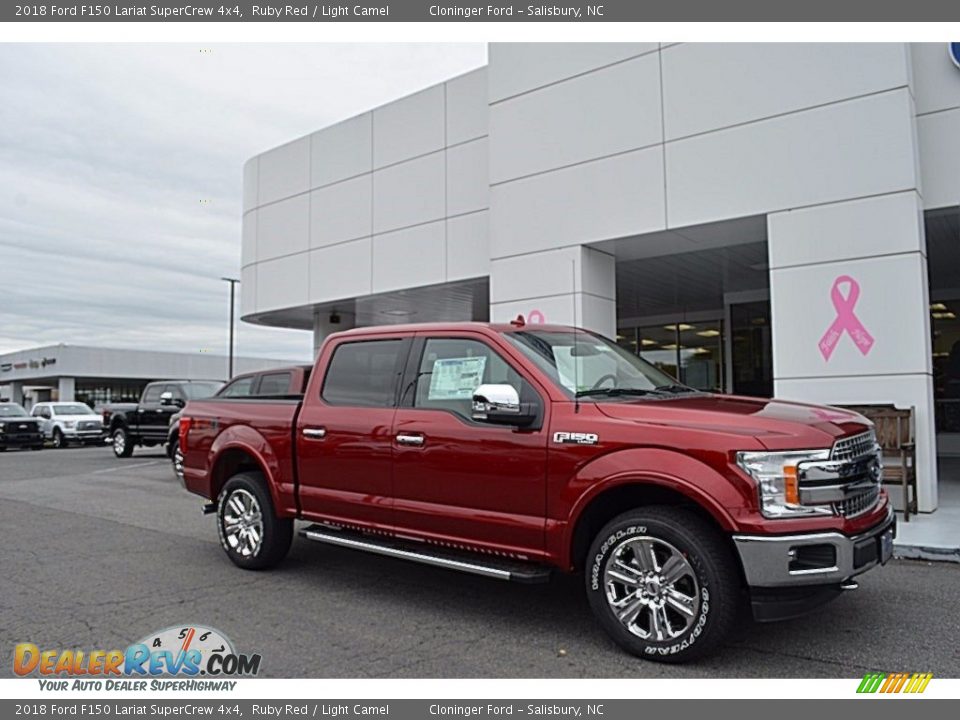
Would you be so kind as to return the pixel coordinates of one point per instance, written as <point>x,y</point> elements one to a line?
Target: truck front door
<point>460,481</point>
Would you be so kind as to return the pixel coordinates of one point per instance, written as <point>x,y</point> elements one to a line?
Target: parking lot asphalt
<point>98,552</point>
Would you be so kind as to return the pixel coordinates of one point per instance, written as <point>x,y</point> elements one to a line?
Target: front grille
<point>90,425</point>
<point>855,446</point>
<point>858,504</point>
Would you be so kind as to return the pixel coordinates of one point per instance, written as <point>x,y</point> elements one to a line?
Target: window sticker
<point>456,378</point>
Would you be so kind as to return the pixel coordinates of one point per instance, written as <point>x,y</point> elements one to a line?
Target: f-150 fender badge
<point>576,438</point>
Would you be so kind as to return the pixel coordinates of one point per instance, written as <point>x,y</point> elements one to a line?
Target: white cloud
<point>106,152</point>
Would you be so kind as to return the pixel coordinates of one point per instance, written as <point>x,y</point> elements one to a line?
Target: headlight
<point>776,476</point>
<point>2,427</point>
<point>69,423</point>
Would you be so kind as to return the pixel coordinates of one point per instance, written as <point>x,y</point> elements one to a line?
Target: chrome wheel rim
<point>651,589</point>
<point>242,523</point>
<point>57,439</point>
<point>178,461</point>
<point>119,442</point>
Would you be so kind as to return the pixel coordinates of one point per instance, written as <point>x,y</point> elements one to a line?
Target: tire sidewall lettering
<point>653,648</point>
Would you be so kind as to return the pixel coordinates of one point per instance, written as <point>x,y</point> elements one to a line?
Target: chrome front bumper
<point>814,558</point>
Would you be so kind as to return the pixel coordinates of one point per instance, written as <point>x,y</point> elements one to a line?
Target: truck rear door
<point>343,432</point>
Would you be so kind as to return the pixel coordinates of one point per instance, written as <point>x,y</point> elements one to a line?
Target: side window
<point>274,384</point>
<point>240,387</point>
<point>364,373</point>
<point>152,395</point>
<point>176,391</point>
<point>45,413</point>
<point>452,368</point>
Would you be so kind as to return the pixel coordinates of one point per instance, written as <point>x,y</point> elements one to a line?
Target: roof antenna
<point>573,352</point>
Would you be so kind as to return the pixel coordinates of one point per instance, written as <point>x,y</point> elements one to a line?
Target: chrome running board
<point>426,554</point>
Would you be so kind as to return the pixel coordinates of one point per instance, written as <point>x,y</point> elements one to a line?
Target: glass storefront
<point>690,352</point>
<point>695,351</point>
<point>98,392</point>
<point>945,328</point>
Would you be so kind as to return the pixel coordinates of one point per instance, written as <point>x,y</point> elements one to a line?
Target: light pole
<point>233,284</point>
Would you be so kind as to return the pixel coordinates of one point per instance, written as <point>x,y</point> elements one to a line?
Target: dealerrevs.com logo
<point>180,651</point>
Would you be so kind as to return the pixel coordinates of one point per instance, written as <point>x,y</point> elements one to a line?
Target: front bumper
<point>84,435</point>
<point>14,440</point>
<point>823,558</point>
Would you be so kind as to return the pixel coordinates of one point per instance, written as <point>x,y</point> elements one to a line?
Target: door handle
<point>314,433</point>
<point>410,439</point>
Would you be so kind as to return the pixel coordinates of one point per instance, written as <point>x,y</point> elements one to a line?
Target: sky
<point>121,178</point>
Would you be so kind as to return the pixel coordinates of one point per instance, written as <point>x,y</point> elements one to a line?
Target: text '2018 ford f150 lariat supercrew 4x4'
<point>510,450</point>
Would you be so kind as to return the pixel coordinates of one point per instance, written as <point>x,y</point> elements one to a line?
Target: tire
<point>58,440</point>
<point>176,459</point>
<point>122,443</point>
<point>706,584</point>
<point>245,497</point>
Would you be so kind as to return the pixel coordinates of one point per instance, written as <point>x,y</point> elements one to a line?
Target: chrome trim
<point>766,558</point>
<point>407,439</point>
<point>314,433</point>
<point>371,547</point>
<point>854,446</point>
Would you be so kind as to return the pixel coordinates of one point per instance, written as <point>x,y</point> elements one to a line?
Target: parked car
<point>17,429</point>
<point>146,423</point>
<point>67,422</point>
<point>512,450</point>
<point>277,382</point>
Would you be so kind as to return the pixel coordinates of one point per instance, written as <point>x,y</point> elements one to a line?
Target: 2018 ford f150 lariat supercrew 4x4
<point>512,450</point>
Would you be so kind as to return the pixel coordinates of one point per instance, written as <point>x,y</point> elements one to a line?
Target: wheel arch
<point>233,453</point>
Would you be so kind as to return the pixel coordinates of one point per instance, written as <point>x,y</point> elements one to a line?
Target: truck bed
<point>262,425</point>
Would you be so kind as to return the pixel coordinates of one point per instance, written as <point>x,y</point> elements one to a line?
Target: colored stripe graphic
<point>894,682</point>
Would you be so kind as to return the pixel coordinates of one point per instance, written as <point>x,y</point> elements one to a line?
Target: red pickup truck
<point>511,450</point>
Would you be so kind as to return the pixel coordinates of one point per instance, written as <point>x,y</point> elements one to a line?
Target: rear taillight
<point>184,431</point>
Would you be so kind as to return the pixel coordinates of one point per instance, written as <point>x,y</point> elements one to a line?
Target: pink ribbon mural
<point>846,320</point>
<point>536,318</point>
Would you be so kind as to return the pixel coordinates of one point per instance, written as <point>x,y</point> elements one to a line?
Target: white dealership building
<point>755,218</point>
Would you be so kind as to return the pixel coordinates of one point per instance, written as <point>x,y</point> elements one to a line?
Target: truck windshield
<point>198,390</point>
<point>11,410</point>
<point>585,365</point>
<point>76,409</point>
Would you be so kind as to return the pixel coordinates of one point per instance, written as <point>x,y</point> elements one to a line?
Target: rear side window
<point>363,374</point>
<point>241,387</point>
<point>152,394</point>
<point>274,384</point>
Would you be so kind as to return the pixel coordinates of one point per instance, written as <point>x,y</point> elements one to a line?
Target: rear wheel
<point>122,444</point>
<point>58,439</point>
<point>663,584</point>
<point>251,534</point>
<point>176,458</point>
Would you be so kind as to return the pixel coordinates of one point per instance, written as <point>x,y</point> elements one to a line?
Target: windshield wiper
<point>676,388</point>
<point>614,392</point>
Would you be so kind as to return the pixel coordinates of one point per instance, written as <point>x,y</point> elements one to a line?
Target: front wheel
<point>251,534</point>
<point>663,584</point>
<point>122,444</point>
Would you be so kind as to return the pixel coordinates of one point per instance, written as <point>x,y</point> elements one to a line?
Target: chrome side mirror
<point>500,405</point>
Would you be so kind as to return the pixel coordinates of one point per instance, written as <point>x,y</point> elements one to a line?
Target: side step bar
<point>426,554</point>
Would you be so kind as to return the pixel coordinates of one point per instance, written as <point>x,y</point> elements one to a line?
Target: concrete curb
<point>934,553</point>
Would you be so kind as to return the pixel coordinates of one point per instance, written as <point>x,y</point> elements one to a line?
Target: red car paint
<point>496,488</point>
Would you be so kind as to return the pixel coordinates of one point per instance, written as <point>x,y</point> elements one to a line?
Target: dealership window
<point>945,327</point>
<point>692,352</point>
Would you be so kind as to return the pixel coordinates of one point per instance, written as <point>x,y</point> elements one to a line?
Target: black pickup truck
<point>146,423</point>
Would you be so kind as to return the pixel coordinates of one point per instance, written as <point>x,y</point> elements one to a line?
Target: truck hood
<point>79,418</point>
<point>777,424</point>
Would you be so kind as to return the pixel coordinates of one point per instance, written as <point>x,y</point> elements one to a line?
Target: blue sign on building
<point>954,49</point>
